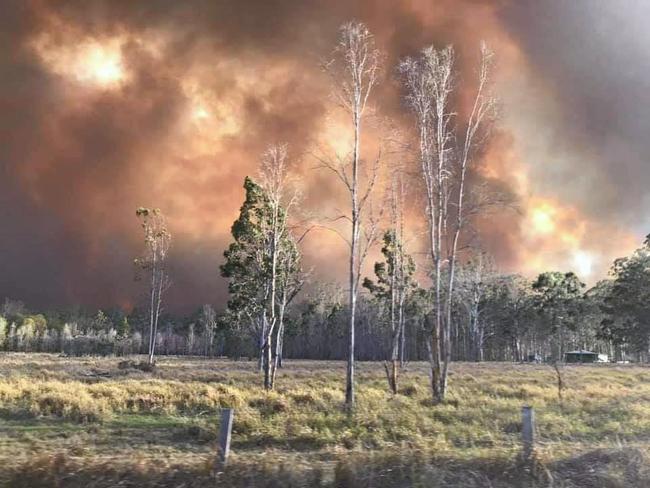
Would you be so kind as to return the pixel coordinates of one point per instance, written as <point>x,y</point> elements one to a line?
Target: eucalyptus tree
<point>157,239</point>
<point>245,263</point>
<point>627,302</point>
<point>291,279</point>
<point>403,267</point>
<point>263,260</point>
<point>591,315</point>
<point>446,151</point>
<point>558,300</point>
<point>393,287</point>
<point>208,320</point>
<point>319,326</point>
<point>510,307</point>
<point>475,282</point>
<point>354,70</point>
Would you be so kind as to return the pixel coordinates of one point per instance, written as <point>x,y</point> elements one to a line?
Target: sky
<point>106,106</point>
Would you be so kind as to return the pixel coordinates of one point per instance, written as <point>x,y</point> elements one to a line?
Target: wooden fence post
<point>225,432</point>
<point>528,431</point>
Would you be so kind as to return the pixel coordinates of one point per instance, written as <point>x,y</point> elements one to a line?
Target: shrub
<point>268,405</point>
<point>410,390</point>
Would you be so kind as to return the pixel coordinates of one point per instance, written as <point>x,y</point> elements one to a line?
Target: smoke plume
<point>111,105</point>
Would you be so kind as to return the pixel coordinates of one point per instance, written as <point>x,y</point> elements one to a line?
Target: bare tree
<point>430,82</point>
<point>354,70</point>
<point>394,279</point>
<point>157,240</point>
<point>473,282</point>
<point>290,281</point>
<point>483,110</point>
<point>208,320</point>
<point>279,247</point>
<point>403,269</point>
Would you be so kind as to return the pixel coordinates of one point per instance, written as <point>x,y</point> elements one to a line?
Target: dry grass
<point>89,422</point>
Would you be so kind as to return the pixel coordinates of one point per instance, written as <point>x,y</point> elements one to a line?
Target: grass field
<point>87,422</point>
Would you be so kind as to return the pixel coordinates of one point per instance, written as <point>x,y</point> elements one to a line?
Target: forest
<point>496,318</point>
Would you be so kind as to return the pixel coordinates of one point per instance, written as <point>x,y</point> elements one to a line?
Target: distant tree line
<point>79,332</point>
<point>496,317</point>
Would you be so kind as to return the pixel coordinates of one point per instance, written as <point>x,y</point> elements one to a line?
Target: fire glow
<point>92,63</point>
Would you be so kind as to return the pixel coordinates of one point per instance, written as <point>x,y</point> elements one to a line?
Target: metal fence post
<point>528,431</point>
<point>225,433</point>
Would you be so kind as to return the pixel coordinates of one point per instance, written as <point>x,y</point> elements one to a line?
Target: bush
<point>269,405</point>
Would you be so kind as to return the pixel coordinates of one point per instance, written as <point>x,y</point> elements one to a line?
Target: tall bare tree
<point>208,320</point>
<point>403,270</point>
<point>474,279</point>
<point>445,158</point>
<point>290,281</point>
<point>354,70</point>
<point>482,113</point>
<point>157,239</point>
<point>404,264</point>
<point>274,176</point>
<point>394,279</point>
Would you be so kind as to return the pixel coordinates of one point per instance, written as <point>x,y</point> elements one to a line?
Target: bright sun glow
<point>200,113</point>
<point>100,65</point>
<point>95,63</point>
<point>583,263</point>
<point>542,219</point>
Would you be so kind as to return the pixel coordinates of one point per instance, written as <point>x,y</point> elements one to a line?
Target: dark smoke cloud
<point>75,161</point>
<point>594,60</point>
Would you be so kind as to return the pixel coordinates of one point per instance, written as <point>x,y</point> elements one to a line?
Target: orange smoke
<point>134,104</point>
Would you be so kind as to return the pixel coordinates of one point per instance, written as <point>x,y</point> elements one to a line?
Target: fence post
<point>225,432</point>
<point>528,431</point>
